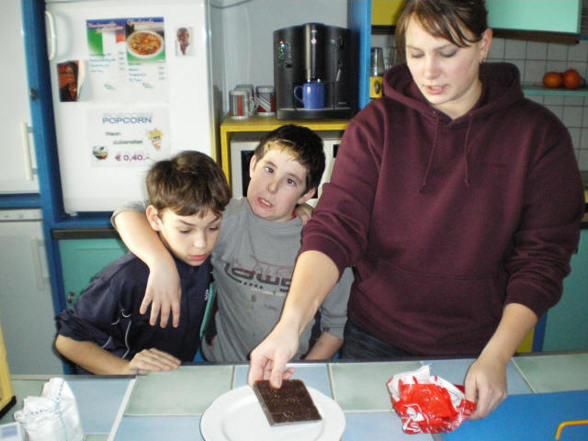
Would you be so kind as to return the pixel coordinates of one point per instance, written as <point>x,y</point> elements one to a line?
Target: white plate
<point>238,416</point>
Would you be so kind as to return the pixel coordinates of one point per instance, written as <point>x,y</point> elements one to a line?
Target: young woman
<point>458,202</point>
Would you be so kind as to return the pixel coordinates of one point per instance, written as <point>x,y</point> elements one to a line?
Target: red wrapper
<point>428,404</point>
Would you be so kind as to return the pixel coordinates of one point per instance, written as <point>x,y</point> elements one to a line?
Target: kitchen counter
<point>150,407</point>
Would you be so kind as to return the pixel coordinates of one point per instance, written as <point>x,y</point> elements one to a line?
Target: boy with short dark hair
<point>256,252</point>
<point>104,332</point>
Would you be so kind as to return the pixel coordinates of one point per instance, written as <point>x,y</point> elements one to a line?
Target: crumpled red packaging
<point>428,404</point>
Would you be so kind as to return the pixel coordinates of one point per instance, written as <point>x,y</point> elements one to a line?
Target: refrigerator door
<point>17,168</point>
<point>26,306</point>
<point>131,85</point>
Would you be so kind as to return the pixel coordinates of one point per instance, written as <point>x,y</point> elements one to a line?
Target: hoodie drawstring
<point>466,152</point>
<point>430,161</point>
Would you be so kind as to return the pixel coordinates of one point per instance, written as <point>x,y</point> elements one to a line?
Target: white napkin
<point>53,416</point>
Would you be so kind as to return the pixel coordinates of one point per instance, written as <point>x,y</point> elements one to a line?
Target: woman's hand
<point>151,360</point>
<point>268,360</point>
<point>163,292</point>
<point>485,382</point>
<point>485,385</point>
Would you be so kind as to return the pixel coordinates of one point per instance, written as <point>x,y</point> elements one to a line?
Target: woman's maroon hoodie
<point>447,221</point>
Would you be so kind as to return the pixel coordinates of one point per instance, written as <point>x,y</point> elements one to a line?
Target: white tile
<point>578,66</point>
<point>577,101</point>
<point>514,49</point>
<point>585,117</point>
<point>584,138</point>
<point>575,135</point>
<point>520,64</point>
<point>578,52</point>
<point>555,100</point>
<point>583,160</point>
<point>497,49</point>
<point>556,51</point>
<point>577,156</point>
<point>556,66</point>
<point>536,98</point>
<point>536,50</point>
<point>582,68</point>
<point>534,71</point>
<point>557,110</point>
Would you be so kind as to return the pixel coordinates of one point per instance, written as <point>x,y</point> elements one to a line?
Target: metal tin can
<point>239,103</point>
<point>376,87</point>
<point>265,100</point>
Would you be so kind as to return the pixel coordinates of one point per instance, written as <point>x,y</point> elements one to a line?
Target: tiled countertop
<point>151,407</point>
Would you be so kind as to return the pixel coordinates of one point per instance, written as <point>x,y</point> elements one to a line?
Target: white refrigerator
<point>17,168</point>
<point>26,308</point>
<point>131,84</point>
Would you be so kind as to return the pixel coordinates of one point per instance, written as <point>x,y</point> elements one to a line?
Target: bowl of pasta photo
<point>144,44</point>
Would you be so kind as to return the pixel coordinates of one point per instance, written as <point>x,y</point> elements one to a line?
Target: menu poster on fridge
<point>123,139</point>
<point>131,85</point>
<point>127,59</point>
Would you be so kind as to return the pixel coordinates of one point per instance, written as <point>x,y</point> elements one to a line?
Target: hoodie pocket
<point>439,305</point>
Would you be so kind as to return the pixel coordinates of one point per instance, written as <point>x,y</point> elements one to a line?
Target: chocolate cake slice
<point>290,404</point>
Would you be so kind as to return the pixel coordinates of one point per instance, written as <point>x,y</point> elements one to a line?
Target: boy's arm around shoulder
<point>163,286</point>
<point>333,319</point>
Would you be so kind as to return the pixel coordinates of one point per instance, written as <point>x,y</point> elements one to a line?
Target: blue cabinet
<point>82,259</point>
<point>566,328</point>
<point>562,16</point>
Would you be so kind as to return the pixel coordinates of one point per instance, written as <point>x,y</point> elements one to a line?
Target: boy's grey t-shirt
<point>253,263</point>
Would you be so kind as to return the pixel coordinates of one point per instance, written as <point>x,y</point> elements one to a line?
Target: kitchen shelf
<point>266,124</point>
<point>543,91</point>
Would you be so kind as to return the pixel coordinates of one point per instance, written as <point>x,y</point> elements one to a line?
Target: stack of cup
<point>265,100</point>
<point>242,101</point>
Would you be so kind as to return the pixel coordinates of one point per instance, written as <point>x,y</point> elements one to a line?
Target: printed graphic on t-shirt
<point>264,277</point>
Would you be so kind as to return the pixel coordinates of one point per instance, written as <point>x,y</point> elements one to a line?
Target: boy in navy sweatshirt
<point>104,333</point>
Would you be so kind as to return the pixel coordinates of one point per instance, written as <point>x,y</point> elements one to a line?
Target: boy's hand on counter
<point>163,292</point>
<point>152,360</point>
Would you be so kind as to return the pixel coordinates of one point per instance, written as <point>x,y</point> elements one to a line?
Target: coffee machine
<point>313,53</point>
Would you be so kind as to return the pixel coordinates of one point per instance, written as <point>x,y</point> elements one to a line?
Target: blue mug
<point>311,95</point>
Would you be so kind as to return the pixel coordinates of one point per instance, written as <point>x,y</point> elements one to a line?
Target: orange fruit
<point>553,80</point>
<point>572,79</point>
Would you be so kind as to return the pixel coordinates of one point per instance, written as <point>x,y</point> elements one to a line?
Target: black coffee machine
<point>313,52</point>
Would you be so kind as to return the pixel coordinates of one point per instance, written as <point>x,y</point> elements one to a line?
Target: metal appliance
<point>313,52</point>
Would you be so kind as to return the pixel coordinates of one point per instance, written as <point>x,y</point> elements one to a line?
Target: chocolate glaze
<point>290,404</point>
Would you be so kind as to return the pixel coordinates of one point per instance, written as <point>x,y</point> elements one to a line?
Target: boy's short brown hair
<point>304,144</point>
<point>189,183</point>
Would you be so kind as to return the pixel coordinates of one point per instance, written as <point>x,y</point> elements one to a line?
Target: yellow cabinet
<point>386,12</point>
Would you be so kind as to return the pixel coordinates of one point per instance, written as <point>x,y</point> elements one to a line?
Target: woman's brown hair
<point>461,22</point>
